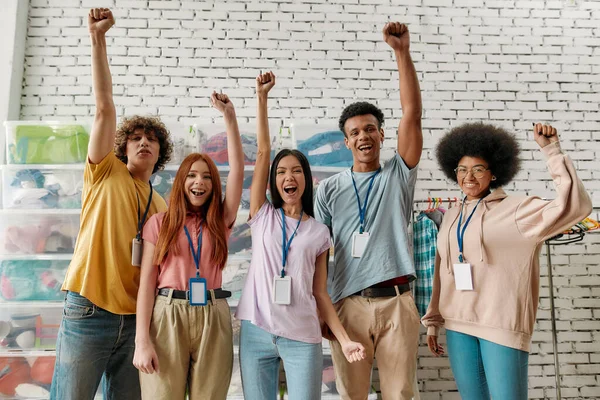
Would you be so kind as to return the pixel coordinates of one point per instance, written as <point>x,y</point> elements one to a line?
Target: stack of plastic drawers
<point>41,199</point>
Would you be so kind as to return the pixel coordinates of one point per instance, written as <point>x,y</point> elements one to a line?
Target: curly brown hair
<point>150,125</point>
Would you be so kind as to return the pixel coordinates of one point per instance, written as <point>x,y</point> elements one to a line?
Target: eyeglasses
<point>477,172</point>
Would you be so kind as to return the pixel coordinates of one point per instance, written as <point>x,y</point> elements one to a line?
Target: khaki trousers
<point>388,327</point>
<point>194,346</point>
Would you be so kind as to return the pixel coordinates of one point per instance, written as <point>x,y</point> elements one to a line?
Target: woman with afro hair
<point>486,281</point>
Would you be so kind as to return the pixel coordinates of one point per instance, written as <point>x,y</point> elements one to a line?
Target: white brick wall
<point>505,62</point>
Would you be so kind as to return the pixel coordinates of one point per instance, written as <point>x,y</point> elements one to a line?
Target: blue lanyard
<point>195,254</point>
<point>285,244</point>
<point>143,220</point>
<point>362,210</point>
<point>460,234</point>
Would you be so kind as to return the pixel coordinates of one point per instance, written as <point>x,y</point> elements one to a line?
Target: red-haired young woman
<point>183,333</point>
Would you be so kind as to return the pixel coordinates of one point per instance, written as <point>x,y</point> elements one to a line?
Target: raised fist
<point>221,102</point>
<point>100,20</point>
<point>544,134</point>
<point>264,83</point>
<point>396,36</point>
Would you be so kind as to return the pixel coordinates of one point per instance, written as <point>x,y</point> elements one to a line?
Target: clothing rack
<point>438,201</point>
<point>435,202</point>
<point>574,235</point>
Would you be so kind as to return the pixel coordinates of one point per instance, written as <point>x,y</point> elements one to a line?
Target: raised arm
<point>543,219</point>
<point>410,134</point>
<point>102,139</point>
<point>235,179</point>
<point>260,179</point>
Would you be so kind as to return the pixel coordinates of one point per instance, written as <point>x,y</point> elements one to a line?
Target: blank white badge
<point>359,243</point>
<point>462,276</point>
<point>198,295</point>
<point>282,290</point>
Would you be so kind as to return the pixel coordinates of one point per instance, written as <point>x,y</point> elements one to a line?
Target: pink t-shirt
<point>299,320</point>
<point>176,270</point>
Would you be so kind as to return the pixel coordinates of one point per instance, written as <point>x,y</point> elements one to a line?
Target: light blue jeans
<point>93,345</point>
<point>485,370</point>
<point>260,353</point>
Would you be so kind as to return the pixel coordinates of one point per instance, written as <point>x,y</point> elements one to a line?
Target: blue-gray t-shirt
<point>387,255</point>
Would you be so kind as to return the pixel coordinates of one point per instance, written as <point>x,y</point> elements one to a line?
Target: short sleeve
<point>400,169</point>
<point>97,172</point>
<point>152,228</point>
<point>322,213</point>
<point>263,210</point>
<point>325,239</point>
<point>405,180</point>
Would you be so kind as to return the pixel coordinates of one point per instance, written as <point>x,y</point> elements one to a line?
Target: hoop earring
<point>493,178</point>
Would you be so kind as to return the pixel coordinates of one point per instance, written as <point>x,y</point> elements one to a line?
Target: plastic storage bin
<point>38,232</point>
<point>323,145</point>
<point>35,188</point>
<point>26,377</point>
<point>240,242</point>
<point>186,140</point>
<point>319,174</point>
<point>32,280</point>
<point>29,328</point>
<point>43,142</point>
<point>234,276</point>
<point>214,142</point>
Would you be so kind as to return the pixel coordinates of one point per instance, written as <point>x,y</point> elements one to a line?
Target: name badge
<point>136,252</point>
<point>359,243</point>
<point>198,296</point>
<point>462,276</point>
<point>282,290</point>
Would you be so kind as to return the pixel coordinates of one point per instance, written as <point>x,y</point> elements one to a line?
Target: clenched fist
<point>544,134</point>
<point>396,36</point>
<point>264,83</point>
<point>221,102</point>
<point>100,20</point>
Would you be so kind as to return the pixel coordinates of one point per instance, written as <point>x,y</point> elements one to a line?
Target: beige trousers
<point>194,347</point>
<point>388,327</point>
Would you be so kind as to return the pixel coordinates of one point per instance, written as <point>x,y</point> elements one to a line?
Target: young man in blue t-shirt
<point>373,267</point>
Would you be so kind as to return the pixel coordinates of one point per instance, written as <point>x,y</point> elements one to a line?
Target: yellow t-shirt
<point>101,269</point>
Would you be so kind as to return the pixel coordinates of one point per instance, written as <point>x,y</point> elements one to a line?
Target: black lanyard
<point>143,220</point>
<point>362,210</point>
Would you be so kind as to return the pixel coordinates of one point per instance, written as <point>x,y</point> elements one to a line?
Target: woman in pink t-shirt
<point>183,332</point>
<point>286,288</point>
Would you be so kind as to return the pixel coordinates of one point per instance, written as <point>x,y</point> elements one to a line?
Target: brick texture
<point>504,62</point>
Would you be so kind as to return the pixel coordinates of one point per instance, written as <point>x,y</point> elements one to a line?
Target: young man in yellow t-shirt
<point>96,336</point>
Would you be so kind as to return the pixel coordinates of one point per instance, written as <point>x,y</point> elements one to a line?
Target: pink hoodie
<point>502,243</point>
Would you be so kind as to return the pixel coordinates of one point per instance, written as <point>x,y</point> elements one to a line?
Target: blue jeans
<point>483,369</point>
<point>93,345</point>
<point>260,353</point>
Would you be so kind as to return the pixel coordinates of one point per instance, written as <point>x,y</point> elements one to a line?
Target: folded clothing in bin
<point>32,280</point>
<point>48,144</point>
<point>326,149</point>
<point>32,188</point>
<point>216,148</point>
